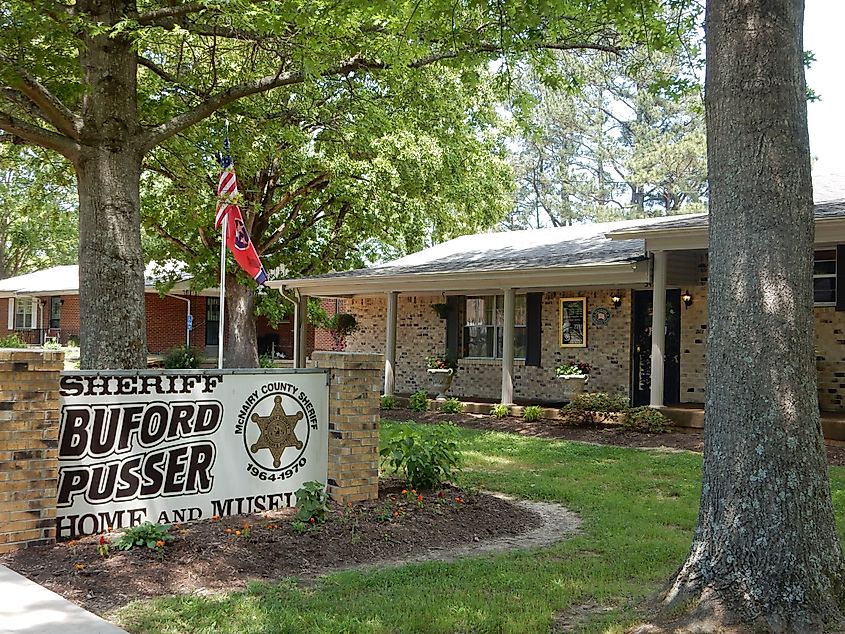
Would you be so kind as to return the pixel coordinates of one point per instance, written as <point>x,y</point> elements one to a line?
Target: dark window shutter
<point>533,328</point>
<point>453,326</point>
<point>840,277</point>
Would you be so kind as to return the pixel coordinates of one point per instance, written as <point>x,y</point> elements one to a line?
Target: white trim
<point>11,325</point>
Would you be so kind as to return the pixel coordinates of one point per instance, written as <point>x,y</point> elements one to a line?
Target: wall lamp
<point>687,299</point>
<point>617,301</point>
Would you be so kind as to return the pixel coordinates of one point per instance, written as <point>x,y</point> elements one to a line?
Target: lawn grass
<point>638,509</point>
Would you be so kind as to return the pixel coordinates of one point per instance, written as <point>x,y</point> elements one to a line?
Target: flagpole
<point>221,324</point>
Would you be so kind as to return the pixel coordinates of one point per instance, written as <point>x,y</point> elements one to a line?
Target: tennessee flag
<point>237,237</point>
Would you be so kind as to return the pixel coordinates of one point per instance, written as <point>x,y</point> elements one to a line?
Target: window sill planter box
<point>442,380</point>
<point>573,384</point>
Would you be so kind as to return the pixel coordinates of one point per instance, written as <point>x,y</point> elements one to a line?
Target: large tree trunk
<point>111,265</point>
<point>241,350</point>
<point>765,550</point>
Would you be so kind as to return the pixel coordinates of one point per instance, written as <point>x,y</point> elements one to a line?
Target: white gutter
<point>187,319</point>
<point>295,321</point>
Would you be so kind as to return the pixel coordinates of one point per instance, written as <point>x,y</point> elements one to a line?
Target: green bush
<point>388,401</point>
<point>592,408</point>
<point>73,341</point>
<point>266,361</point>
<point>532,412</point>
<point>153,536</point>
<point>500,410</point>
<point>182,358</point>
<point>429,457</point>
<point>418,401</point>
<point>12,340</point>
<point>647,419</point>
<point>312,503</point>
<point>52,344</point>
<point>451,406</point>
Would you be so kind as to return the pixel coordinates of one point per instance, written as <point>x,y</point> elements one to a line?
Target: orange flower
<point>108,529</point>
<point>459,500</point>
<point>246,524</point>
<point>214,518</point>
<point>419,498</point>
<point>395,513</point>
<point>311,520</point>
<point>228,531</point>
<point>404,491</point>
<point>237,533</point>
<point>160,543</point>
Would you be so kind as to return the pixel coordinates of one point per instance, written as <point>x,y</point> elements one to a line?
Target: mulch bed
<point>206,557</point>
<point>603,434</point>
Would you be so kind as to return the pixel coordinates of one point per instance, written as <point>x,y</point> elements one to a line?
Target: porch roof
<point>537,258</point>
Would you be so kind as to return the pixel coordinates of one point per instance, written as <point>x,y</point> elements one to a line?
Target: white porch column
<point>658,328</point>
<point>390,345</point>
<point>507,348</point>
<point>300,332</point>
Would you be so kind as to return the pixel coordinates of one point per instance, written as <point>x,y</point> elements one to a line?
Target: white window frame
<point>825,275</point>
<point>15,304</point>
<point>498,303</point>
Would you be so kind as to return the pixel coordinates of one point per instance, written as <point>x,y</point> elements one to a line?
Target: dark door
<point>641,351</point>
<point>212,321</point>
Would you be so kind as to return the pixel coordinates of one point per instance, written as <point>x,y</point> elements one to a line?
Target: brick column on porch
<point>29,454</point>
<point>354,394</point>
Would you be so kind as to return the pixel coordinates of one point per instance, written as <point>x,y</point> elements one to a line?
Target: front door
<point>641,350</point>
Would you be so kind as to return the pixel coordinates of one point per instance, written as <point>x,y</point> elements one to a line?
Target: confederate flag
<point>237,237</point>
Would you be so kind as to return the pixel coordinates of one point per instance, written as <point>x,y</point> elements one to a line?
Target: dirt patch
<point>610,434</point>
<point>207,556</point>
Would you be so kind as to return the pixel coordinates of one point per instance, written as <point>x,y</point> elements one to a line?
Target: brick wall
<point>420,333</point>
<point>353,423</point>
<point>29,431</point>
<point>693,338</point>
<point>320,338</point>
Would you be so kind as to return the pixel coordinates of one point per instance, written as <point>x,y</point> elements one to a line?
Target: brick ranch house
<point>588,293</point>
<point>44,305</point>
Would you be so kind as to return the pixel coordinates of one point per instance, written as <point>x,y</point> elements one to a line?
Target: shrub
<point>52,344</point>
<point>73,341</point>
<point>312,503</point>
<point>532,412</point>
<point>12,340</point>
<point>591,408</point>
<point>441,362</point>
<point>647,419</point>
<point>500,410</point>
<point>429,457</point>
<point>418,401</point>
<point>573,369</point>
<point>182,358</point>
<point>451,406</point>
<point>388,401</point>
<point>153,536</point>
<point>266,361</point>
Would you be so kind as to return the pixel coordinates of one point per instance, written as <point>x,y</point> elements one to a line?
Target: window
<point>485,326</point>
<point>212,321</point>
<point>24,313</point>
<point>55,312</point>
<point>824,277</point>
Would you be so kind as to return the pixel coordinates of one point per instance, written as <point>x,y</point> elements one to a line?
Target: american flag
<point>237,236</point>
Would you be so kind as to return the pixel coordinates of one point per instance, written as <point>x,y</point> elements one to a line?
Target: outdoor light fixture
<point>687,299</point>
<point>617,301</point>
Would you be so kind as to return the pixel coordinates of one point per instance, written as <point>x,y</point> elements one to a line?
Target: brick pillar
<point>354,394</point>
<point>29,438</point>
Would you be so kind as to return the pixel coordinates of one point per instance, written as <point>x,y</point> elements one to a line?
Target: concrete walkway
<point>27,608</point>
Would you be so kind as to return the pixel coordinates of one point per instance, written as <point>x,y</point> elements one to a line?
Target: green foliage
<point>591,408</point>
<point>73,341</point>
<point>312,503</point>
<point>183,358</point>
<point>12,340</point>
<point>149,535</point>
<point>388,401</point>
<point>266,361</point>
<point>500,410</point>
<point>573,369</point>
<point>429,457</point>
<point>451,406</point>
<point>441,362</point>
<point>51,344</point>
<point>532,412</point>
<point>418,401</point>
<point>647,419</point>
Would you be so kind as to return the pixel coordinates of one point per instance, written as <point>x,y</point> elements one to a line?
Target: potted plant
<point>441,368</point>
<point>575,377</point>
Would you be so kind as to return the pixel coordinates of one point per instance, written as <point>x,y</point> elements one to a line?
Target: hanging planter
<point>442,310</point>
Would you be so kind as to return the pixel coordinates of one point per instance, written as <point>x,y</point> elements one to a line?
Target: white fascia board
<point>668,239</point>
<point>614,275</point>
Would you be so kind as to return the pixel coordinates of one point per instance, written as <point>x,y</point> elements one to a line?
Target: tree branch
<point>165,15</point>
<point>54,111</point>
<point>39,136</point>
<point>173,240</point>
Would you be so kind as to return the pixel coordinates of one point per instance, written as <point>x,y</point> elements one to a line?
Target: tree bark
<point>108,169</point>
<point>241,350</point>
<point>765,550</point>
